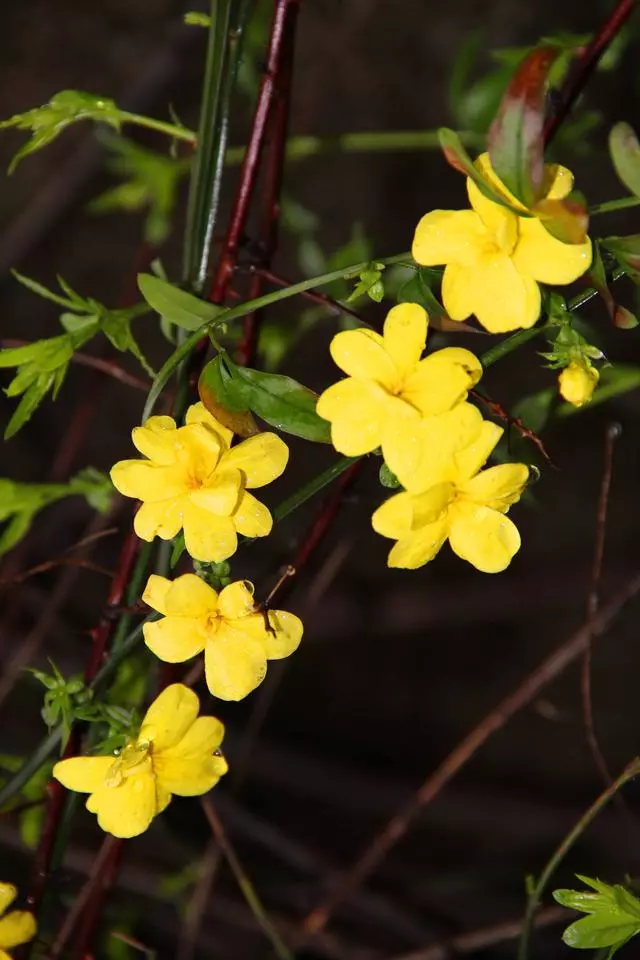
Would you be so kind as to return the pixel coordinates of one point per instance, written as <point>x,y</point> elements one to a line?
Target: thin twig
<point>550,668</point>
<point>484,936</point>
<point>585,65</point>
<point>336,306</point>
<point>109,367</point>
<point>497,410</point>
<point>95,879</point>
<point>247,888</point>
<point>593,600</point>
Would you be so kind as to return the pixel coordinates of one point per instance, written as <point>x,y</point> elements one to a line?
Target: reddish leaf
<point>622,318</point>
<point>516,145</point>
<point>566,220</point>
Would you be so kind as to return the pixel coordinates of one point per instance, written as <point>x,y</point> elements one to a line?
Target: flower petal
<point>126,810</point>
<point>162,519</point>
<point>201,739</point>
<point>430,506</point>
<point>190,596</point>
<point>207,536</point>
<point>144,480</point>
<point>485,538</point>
<point>449,236</point>
<point>471,459</point>
<point>175,639</point>
<point>288,630</point>
<point>405,336</point>
<point>498,488</point>
<point>261,459</point>
<point>221,494</point>
<point>361,354</point>
<point>189,777</point>
<point>501,298</point>
<point>420,547</point>
<point>157,439</point>
<point>8,893</point>
<point>558,181</point>
<point>155,593</point>
<point>423,455</point>
<point>200,451</point>
<point>442,380</point>
<point>547,259</point>
<point>235,664</point>
<point>251,518</point>
<point>198,413</point>
<point>236,600</point>
<point>501,223</point>
<point>170,716</point>
<point>357,410</point>
<point>17,927</point>
<point>82,774</point>
<point>394,518</point>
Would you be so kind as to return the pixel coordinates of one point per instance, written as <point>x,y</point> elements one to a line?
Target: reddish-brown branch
<point>498,411</point>
<point>593,601</point>
<point>282,28</point>
<point>519,698</point>
<point>585,65</point>
<point>100,636</point>
<point>314,295</point>
<point>484,936</point>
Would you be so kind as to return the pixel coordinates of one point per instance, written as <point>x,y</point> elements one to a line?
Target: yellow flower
<point>465,506</point>
<point>494,258</point>
<point>194,479</point>
<point>577,383</point>
<point>232,633</point>
<point>389,389</point>
<point>16,927</point>
<point>176,752</point>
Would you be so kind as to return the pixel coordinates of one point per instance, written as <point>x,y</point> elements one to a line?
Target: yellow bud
<point>577,383</point>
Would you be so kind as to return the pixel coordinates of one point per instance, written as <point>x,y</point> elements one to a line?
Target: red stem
<point>282,28</point>
<point>585,65</point>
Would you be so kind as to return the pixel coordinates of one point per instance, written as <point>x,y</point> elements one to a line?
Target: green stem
<point>631,771</point>
<point>610,206</point>
<point>491,356</point>
<point>235,313</point>
<point>204,192</point>
<point>170,129</point>
<point>310,489</point>
<point>376,141</point>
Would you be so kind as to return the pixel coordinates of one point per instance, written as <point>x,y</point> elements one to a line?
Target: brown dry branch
<point>550,668</point>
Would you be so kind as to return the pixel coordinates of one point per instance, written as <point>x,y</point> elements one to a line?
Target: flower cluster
<point>495,258</point>
<point>193,479</point>
<point>16,927</point>
<point>175,752</point>
<point>432,439</point>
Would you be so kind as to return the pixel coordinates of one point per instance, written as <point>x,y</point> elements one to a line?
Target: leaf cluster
<point>613,916</point>
<point>20,503</point>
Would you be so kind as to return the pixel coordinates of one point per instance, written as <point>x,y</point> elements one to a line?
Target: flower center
<point>132,759</point>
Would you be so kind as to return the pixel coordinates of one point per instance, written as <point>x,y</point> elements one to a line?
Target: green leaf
<point>14,531</point>
<point>535,410</point>
<point>387,478</point>
<point>48,121</point>
<point>607,928</point>
<point>177,306</point>
<point>282,402</point>
<point>418,290</point>
<point>31,400</point>
<point>515,139</point>
<point>460,160</point>
<point>625,154</point>
<point>40,290</point>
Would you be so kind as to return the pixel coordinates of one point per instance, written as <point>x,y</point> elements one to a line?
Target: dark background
<point>395,666</point>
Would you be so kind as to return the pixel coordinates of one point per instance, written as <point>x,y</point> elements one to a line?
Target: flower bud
<point>577,383</point>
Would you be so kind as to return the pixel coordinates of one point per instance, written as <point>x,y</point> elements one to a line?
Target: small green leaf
<point>604,929</point>
<point>177,306</point>
<point>282,402</point>
<point>41,291</point>
<point>625,154</point>
<point>387,478</point>
<point>626,250</point>
<point>177,550</point>
<point>31,400</point>
<point>418,290</point>
<point>515,139</point>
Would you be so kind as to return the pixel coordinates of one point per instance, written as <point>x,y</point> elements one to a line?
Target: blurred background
<point>396,666</point>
